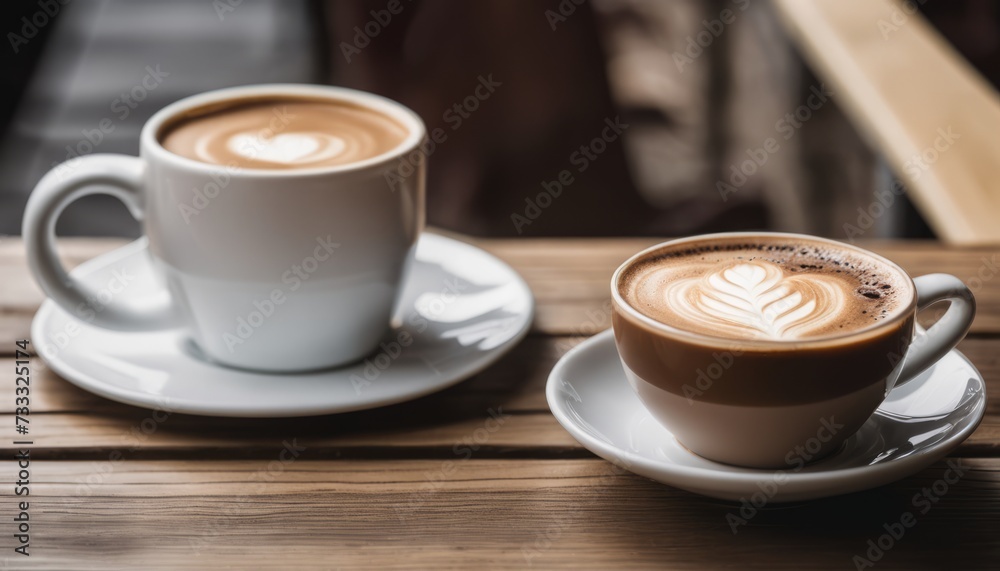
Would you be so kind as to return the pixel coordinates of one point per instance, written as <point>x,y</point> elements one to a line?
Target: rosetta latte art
<point>758,299</point>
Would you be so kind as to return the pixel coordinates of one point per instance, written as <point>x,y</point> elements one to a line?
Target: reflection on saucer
<point>455,324</point>
<point>589,395</point>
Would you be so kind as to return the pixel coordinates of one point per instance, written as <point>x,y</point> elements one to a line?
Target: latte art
<point>288,149</point>
<point>284,134</point>
<point>757,299</point>
<point>764,290</point>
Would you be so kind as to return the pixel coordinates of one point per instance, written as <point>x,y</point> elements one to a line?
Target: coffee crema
<point>772,289</point>
<point>282,133</point>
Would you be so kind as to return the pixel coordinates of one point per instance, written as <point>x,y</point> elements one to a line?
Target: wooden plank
<point>68,422</point>
<point>518,378</point>
<point>435,483</point>
<point>932,116</point>
<point>569,277</point>
<point>575,514</point>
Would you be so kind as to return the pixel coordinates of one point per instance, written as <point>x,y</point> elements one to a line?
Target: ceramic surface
<point>461,309</point>
<point>918,424</point>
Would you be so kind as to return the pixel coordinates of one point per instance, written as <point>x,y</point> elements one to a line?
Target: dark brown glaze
<point>755,374</point>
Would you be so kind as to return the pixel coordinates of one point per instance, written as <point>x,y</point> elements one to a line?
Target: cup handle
<point>941,337</point>
<point>119,176</point>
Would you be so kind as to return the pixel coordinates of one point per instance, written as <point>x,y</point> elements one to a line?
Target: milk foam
<point>283,134</point>
<point>757,298</point>
<point>764,291</point>
<point>286,148</point>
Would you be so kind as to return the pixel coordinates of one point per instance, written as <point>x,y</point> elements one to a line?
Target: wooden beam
<point>922,106</point>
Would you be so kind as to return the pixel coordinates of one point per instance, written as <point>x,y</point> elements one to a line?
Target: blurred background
<point>685,106</point>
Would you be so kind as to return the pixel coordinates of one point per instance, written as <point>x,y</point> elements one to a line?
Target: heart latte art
<point>283,134</point>
<point>767,291</point>
<point>286,148</point>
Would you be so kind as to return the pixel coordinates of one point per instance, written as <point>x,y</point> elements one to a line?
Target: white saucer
<point>918,424</point>
<point>464,333</point>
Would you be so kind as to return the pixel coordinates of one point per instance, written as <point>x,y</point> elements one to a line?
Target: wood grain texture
<point>435,483</point>
<point>570,278</point>
<point>915,97</point>
<point>571,514</point>
<point>72,423</point>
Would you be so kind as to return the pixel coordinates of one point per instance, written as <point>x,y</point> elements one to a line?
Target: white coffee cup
<point>275,270</point>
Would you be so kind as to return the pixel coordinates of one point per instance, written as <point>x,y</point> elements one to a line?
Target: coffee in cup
<point>749,345</point>
<point>282,133</point>
<point>281,221</point>
<point>766,289</point>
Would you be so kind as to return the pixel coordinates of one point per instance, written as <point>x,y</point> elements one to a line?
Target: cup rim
<point>634,315</point>
<point>150,143</point>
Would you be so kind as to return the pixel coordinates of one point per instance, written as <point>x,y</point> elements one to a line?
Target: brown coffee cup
<point>765,402</point>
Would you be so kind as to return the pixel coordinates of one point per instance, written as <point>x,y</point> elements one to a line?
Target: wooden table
<point>419,485</point>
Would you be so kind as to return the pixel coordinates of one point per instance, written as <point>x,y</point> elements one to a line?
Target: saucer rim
<point>728,474</point>
<point>203,408</point>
